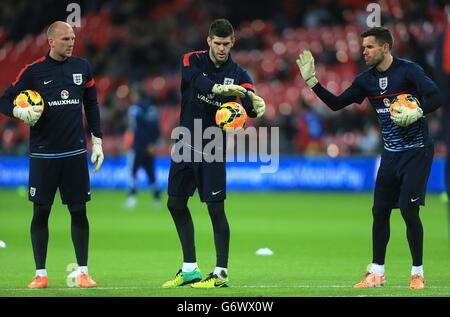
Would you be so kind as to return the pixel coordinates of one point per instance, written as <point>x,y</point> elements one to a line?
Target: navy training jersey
<point>64,86</point>
<point>402,77</point>
<point>199,75</point>
<point>144,121</point>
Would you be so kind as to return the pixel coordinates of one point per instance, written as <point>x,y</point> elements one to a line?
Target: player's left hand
<point>259,105</point>
<point>97,153</point>
<point>404,116</point>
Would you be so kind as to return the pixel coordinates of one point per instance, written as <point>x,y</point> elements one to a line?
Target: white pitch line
<point>231,287</point>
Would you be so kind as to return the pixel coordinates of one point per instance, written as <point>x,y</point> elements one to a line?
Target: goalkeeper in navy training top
<point>209,79</point>
<point>143,118</point>
<point>408,150</point>
<point>58,143</point>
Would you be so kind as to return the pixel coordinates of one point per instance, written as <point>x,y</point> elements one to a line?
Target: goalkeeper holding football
<point>408,150</point>
<point>58,143</point>
<point>209,79</point>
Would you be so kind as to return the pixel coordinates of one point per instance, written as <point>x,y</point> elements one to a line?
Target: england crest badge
<point>383,82</point>
<point>228,81</point>
<point>77,79</point>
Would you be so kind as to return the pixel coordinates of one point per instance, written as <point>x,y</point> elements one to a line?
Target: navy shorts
<point>208,178</point>
<point>145,160</point>
<point>69,174</point>
<point>402,178</point>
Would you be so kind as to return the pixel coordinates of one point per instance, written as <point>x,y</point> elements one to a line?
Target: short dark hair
<point>382,35</point>
<point>221,28</point>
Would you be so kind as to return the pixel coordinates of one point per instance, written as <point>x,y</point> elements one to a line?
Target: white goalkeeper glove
<point>305,63</point>
<point>229,90</point>
<point>259,105</point>
<point>97,153</point>
<point>29,115</point>
<point>404,116</point>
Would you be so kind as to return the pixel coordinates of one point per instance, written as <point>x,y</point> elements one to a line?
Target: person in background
<point>143,118</point>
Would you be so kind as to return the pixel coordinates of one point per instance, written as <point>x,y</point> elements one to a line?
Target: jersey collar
<point>49,58</point>
<point>394,62</point>
<point>228,62</point>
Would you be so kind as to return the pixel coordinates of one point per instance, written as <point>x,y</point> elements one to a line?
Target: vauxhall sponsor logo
<point>66,101</point>
<point>209,99</point>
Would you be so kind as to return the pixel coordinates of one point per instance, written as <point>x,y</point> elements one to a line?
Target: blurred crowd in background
<point>142,42</point>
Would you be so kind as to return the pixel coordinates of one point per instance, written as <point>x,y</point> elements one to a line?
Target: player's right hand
<point>29,115</point>
<point>229,90</point>
<point>305,63</point>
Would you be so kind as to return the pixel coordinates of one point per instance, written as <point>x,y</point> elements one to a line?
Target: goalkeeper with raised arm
<point>408,150</point>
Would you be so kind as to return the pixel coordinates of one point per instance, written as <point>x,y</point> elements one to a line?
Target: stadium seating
<point>266,51</point>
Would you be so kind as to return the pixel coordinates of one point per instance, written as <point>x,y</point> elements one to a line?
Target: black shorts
<point>69,174</point>
<point>402,178</point>
<point>145,160</point>
<point>208,178</point>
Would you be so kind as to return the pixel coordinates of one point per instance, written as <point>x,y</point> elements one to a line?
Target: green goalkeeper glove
<point>305,63</point>
<point>97,153</point>
<point>229,90</point>
<point>259,105</point>
<point>404,116</point>
<point>29,115</point>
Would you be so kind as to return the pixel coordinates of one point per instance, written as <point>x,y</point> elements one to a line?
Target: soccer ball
<point>404,100</point>
<point>28,98</point>
<point>231,115</point>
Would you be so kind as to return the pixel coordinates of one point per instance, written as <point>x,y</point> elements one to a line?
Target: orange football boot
<point>371,280</point>
<point>39,282</point>
<point>417,282</point>
<point>84,280</point>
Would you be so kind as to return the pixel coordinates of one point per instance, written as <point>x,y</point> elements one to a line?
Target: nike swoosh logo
<point>215,193</point>
<point>47,82</point>
<point>219,284</point>
<point>382,92</point>
<point>415,199</point>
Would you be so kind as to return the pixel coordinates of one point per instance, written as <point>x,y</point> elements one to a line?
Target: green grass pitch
<point>321,244</point>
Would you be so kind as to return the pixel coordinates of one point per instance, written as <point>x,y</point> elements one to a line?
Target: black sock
<point>221,232</point>
<point>132,191</point>
<point>380,234</point>
<point>414,233</point>
<point>39,234</point>
<point>80,232</point>
<point>156,193</point>
<point>185,227</point>
<point>149,168</point>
